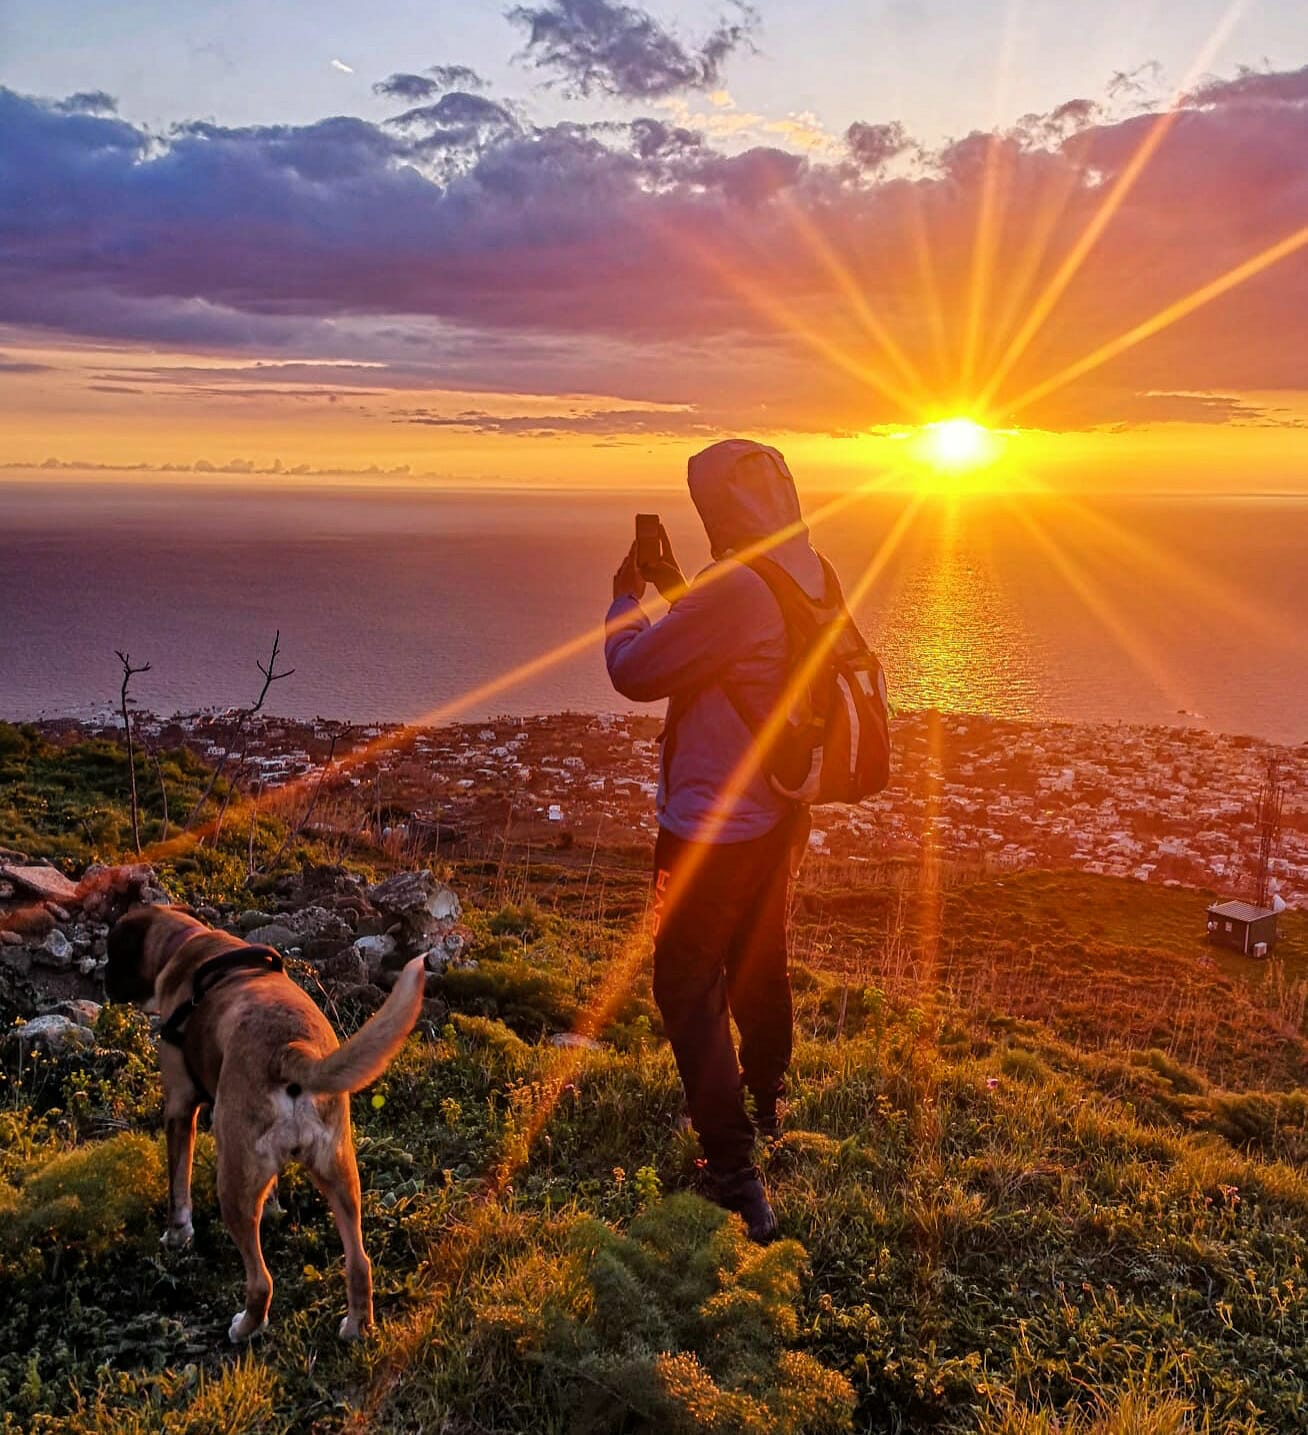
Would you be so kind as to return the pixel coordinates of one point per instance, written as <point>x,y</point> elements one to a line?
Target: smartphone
<point>649,547</point>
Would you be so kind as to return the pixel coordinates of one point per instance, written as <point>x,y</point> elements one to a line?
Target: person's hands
<point>629,581</point>
<point>666,574</point>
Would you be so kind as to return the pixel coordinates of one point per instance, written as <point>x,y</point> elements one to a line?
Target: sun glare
<point>958,445</point>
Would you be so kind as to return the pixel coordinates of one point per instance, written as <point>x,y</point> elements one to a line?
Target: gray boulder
<point>275,934</point>
<point>375,952</point>
<point>425,908</point>
<point>55,1034</point>
<point>55,952</point>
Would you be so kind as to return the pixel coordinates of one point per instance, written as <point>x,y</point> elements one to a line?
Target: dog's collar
<point>258,961</point>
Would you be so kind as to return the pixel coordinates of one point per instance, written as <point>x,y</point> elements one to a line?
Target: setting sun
<point>958,444</point>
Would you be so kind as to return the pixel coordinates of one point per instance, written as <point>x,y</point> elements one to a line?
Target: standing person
<point>727,839</point>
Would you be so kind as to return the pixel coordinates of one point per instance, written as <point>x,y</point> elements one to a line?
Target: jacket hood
<point>744,493</point>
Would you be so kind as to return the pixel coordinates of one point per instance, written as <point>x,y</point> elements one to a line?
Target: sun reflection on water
<point>952,637</point>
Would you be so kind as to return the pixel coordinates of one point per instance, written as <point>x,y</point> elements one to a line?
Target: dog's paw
<point>243,1327</point>
<point>177,1238</point>
<point>352,1328</point>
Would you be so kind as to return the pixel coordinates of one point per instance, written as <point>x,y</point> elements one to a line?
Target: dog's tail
<point>368,1052</point>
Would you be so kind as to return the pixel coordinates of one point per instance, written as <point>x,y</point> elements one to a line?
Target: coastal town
<point>1157,804</point>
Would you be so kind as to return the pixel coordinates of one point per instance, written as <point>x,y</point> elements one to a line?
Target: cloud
<point>88,102</point>
<point>598,423</point>
<point>605,47</point>
<point>342,67</point>
<point>457,115</point>
<point>438,79</point>
<point>874,146</point>
<point>21,366</point>
<point>1255,87</point>
<point>656,260</point>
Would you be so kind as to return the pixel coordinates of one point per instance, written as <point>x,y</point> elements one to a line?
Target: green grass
<point>68,803</point>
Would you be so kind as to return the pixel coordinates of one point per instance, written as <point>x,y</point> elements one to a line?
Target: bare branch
<point>270,676</point>
<point>129,672</point>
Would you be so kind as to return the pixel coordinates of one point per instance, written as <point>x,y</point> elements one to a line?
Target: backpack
<point>834,745</point>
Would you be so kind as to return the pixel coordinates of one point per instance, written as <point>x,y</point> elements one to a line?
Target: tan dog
<point>237,1027</point>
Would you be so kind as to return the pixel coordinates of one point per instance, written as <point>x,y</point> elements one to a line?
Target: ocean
<point>402,603</point>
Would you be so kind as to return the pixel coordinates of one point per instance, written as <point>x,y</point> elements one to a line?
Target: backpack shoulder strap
<point>799,611</point>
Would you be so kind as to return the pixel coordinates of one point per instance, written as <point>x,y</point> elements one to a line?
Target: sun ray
<point>1203,585</point>
<point>985,242</point>
<point>1164,318</point>
<point>1148,662</point>
<point>787,320</point>
<point>920,239</point>
<point>1048,213</point>
<point>856,297</point>
<point>1113,201</point>
<point>475,697</point>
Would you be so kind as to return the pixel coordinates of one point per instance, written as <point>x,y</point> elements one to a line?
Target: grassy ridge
<point>992,1214</point>
<point>1043,1171</point>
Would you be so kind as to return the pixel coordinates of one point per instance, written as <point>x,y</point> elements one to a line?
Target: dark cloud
<point>458,117</point>
<point>457,77</point>
<point>407,88</point>
<point>876,145</point>
<point>87,102</point>
<point>1256,87</point>
<point>437,80</point>
<point>21,366</point>
<point>602,46</point>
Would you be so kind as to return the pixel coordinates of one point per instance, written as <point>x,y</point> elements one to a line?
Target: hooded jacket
<point>725,631</point>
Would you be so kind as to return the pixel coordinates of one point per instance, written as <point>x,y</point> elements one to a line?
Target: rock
<point>275,934</point>
<point>209,915</point>
<point>322,949</point>
<point>7,890</point>
<point>366,995</point>
<point>347,967</point>
<point>107,892</point>
<point>248,921</point>
<point>425,907</point>
<point>55,952</point>
<point>439,960</point>
<point>10,939</point>
<point>47,883</point>
<point>60,914</point>
<point>317,922</point>
<point>574,1041</point>
<point>79,1009</point>
<point>56,1034</point>
<point>16,959</point>
<point>32,923</point>
<point>375,950</point>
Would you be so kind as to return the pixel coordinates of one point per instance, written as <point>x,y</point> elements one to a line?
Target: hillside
<point>1042,1171</point>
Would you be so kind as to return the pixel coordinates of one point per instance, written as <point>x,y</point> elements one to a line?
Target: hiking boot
<point>744,1193</point>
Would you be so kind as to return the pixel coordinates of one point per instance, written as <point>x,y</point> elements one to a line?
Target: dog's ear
<point>126,976</point>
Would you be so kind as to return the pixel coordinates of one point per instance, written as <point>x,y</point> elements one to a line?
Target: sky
<point>570,240</point>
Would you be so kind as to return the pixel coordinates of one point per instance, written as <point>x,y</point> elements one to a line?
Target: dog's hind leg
<point>242,1190</point>
<point>179,1126</point>
<point>338,1180</point>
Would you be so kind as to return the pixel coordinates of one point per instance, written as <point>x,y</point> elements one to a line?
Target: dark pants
<point>720,950</point>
